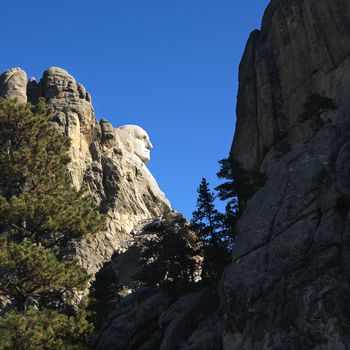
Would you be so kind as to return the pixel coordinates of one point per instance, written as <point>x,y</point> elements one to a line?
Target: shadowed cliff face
<point>102,159</point>
<point>302,48</point>
<point>288,286</point>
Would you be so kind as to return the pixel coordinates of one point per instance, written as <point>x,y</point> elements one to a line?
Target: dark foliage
<point>239,182</point>
<point>247,182</point>
<point>39,210</point>
<point>103,295</point>
<point>44,330</point>
<point>33,275</point>
<point>37,198</point>
<point>215,230</point>
<point>206,218</point>
<point>170,255</point>
<point>227,190</point>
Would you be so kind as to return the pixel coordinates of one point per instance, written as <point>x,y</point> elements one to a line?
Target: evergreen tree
<point>229,222</point>
<point>170,256</point>
<point>239,183</point>
<point>39,211</point>
<point>210,222</point>
<point>226,190</point>
<point>31,149</point>
<point>104,295</point>
<point>44,330</point>
<point>37,198</point>
<point>32,275</point>
<point>206,218</point>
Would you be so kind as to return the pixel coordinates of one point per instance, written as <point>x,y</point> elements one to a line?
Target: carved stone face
<point>142,143</point>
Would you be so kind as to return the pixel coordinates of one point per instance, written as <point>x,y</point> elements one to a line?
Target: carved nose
<point>149,145</point>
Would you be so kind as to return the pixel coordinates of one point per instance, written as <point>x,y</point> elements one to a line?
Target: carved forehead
<point>135,130</point>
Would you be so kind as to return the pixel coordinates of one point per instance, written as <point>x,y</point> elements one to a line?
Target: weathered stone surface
<point>121,184</point>
<point>134,323</point>
<point>103,160</point>
<point>343,171</point>
<point>185,325</point>
<point>74,114</point>
<point>13,84</point>
<point>190,321</point>
<point>151,319</point>
<point>302,48</point>
<point>288,285</point>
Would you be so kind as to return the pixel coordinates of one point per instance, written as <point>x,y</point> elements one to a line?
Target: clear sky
<point>170,66</point>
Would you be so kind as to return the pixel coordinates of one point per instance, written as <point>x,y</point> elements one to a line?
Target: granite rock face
<point>13,84</point>
<point>288,286</point>
<point>102,160</point>
<point>301,49</point>
<point>154,318</point>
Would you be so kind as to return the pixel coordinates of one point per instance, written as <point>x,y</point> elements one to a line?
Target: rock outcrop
<point>288,286</point>
<point>153,319</point>
<point>103,160</point>
<point>13,84</point>
<point>302,48</point>
<point>160,318</point>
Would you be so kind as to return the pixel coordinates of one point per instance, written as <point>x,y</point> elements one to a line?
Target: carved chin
<point>144,156</point>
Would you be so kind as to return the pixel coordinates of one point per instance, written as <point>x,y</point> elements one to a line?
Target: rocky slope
<point>288,286</point>
<point>154,318</point>
<point>103,160</point>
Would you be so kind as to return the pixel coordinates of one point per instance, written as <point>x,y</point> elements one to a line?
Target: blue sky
<point>170,66</point>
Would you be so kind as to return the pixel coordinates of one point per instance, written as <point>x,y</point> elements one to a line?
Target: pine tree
<point>206,218</point>
<point>31,150</point>
<point>210,222</point>
<point>226,190</point>
<point>44,330</point>
<point>33,275</point>
<point>40,210</point>
<point>103,295</point>
<point>169,256</point>
<point>37,198</point>
<point>238,183</point>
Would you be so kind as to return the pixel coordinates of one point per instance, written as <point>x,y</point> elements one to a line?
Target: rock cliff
<point>288,285</point>
<point>160,318</point>
<point>103,160</point>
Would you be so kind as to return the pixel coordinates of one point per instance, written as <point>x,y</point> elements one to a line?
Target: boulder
<point>13,84</point>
